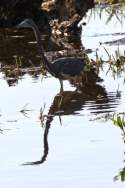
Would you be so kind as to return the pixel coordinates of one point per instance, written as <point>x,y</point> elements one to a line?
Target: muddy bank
<point>67,14</point>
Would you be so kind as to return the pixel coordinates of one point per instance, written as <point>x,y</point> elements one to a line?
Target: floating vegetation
<point>117,119</point>
<point>25,110</point>
<point>103,117</point>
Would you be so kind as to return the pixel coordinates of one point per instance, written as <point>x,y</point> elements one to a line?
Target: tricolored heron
<point>61,68</point>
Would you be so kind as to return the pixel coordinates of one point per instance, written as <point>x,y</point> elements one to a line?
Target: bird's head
<point>27,23</point>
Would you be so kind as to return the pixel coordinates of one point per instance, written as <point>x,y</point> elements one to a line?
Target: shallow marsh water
<point>80,147</point>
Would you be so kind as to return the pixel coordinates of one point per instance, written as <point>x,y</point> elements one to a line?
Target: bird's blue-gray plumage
<point>61,68</point>
<point>69,66</point>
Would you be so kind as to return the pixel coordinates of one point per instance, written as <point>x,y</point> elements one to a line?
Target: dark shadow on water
<point>94,97</point>
<point>22,43</point>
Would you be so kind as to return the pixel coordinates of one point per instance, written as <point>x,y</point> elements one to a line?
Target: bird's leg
<point>61,85</point>
<point>84,77</point>
<point>79,81</point>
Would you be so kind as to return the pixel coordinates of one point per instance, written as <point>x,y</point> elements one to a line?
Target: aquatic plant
<point>110,1</point>
<point>118,120</point>
<point>116,62</point>
<point>110,9</point>
<point>120,176</point>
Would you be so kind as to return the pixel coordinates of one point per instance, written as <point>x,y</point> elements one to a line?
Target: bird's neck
<point>45,61</point>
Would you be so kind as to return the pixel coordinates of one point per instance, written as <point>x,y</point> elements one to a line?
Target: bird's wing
<point>69,66</point>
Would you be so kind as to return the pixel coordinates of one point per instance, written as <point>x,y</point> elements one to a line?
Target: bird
<point>63,68</point>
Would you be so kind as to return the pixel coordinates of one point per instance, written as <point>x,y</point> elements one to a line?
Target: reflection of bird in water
<point>61,68</point>
<point>46,145</point>
<point>66,103</point>
<point>72,102</point>
<point>91,77</point>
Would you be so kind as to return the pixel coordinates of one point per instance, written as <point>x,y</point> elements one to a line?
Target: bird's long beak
<point>23,24</point>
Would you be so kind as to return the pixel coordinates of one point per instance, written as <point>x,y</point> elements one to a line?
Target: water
<point>78,145</point>
<point>104,26</point>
